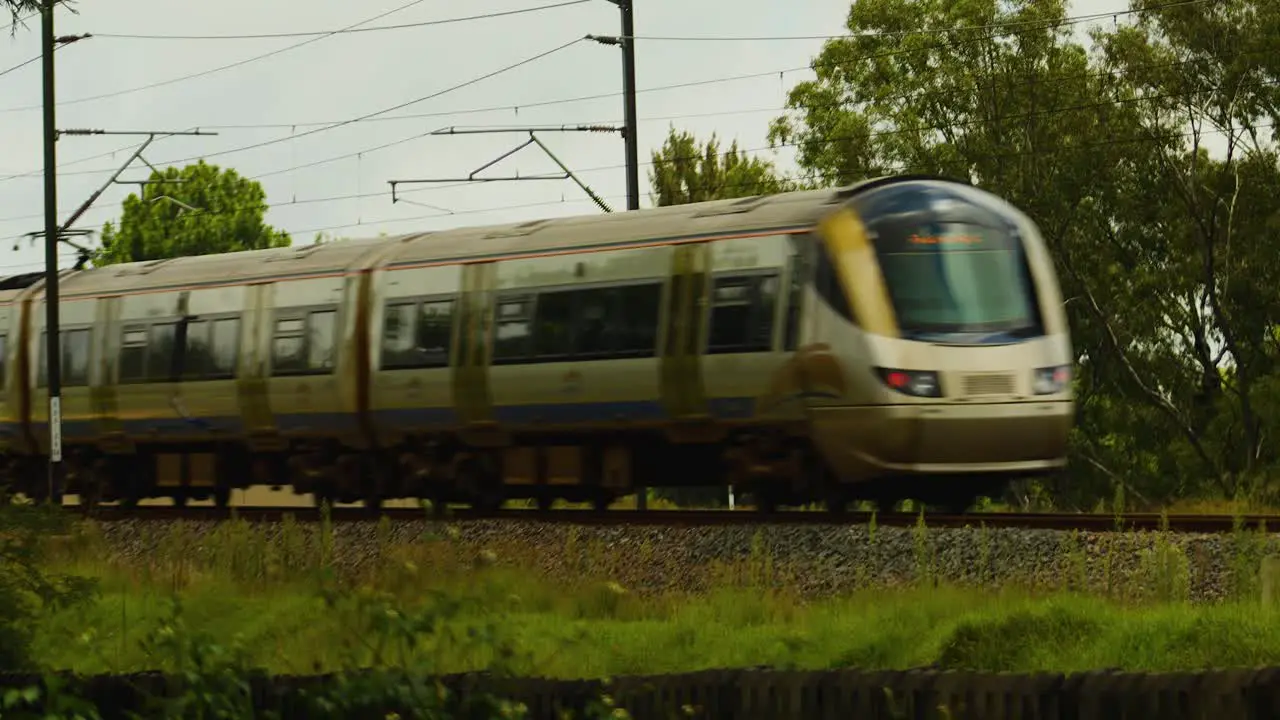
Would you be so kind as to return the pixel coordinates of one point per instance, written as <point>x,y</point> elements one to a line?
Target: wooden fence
<point>781,695</point>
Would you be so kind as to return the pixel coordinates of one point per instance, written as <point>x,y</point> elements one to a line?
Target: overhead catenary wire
<point>19,66</point>
<point>380,28</point>
<point>393,108</point>
<point>828,177</point>
<point>453,113</point>
<point>1038,82</point>
<point>203,73</point>
<point>561,101</point>
<point>1043,150</point>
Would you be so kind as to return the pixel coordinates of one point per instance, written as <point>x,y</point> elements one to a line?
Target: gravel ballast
<point>813,560</point>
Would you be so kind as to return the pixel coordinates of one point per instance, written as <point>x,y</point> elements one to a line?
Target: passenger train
<point>904,337</point>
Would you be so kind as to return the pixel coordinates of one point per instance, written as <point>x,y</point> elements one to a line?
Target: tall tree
<point>1161,250</point>
<point>20,9</point>
<point>209,211</point>
<point>687,171</point>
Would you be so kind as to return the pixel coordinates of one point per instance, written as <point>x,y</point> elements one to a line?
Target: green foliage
<point>210,211</point>
<point>1164,250</point>
<point>20,9</point>
<point>686,171</point>
<point>27,587</point>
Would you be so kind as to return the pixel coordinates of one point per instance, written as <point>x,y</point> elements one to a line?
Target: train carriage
<point>903,337</point>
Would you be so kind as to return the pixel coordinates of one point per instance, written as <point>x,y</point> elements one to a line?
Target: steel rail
<point>703,518</point>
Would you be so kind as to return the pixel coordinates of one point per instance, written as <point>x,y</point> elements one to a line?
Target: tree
<point>19,9</point>
<point>210,211</point>
<point>1162,250</point>
<point>686,171</point>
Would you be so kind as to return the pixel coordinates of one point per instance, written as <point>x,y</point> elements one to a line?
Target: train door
<point>472,397</point>
<point>683,323</point>
<point>104,398</point>
<point>742,351</point>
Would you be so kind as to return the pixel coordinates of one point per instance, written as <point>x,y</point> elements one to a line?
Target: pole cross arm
<point>533,140</point>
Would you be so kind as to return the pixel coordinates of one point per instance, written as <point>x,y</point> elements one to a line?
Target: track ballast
<point>705,518</point>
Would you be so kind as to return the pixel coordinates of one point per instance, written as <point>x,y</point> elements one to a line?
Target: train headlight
<point>919,383</point>
<point>1051,380</point>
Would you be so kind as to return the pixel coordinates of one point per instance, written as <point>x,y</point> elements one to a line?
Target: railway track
<point>707,518</point>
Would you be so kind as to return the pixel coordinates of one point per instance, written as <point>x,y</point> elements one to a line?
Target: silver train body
<point>904,337</point>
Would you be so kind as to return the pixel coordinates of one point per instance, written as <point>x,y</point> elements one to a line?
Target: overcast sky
<point>342,77</point>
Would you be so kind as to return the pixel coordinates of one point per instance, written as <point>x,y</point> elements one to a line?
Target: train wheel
<point>222,496</point>
<point>480,480</point>
<point>837,501</point>
<point>602,501</point>
<point>545,502</point>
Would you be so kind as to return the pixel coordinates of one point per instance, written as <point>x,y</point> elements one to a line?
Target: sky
<point>343,191</point>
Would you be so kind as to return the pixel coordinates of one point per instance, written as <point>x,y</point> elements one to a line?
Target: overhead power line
<point>20,65</point>
<point>1040,81</point>
<point>326,33</point>
<point>559,101</point>
<point>58,44</point>
<point>393,108</point>
<point>211,71</point>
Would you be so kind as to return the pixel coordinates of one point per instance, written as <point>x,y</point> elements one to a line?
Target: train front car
<point>954,343</point>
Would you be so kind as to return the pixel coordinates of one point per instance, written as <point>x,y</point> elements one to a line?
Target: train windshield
<point>946,277</point>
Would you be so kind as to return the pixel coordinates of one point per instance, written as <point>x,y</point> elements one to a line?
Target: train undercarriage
<point>773,469</point>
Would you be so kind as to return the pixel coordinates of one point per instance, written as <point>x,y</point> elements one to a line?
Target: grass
<point>281,603</point>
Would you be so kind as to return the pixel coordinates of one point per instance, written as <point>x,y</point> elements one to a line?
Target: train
<point>903,337</point>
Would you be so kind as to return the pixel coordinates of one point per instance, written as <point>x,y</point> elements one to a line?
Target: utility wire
<point>203,73</point>
<point>658,88</point>
<point>546,103</point>
<point>1042,150</point>
<point>1040,83</point>
<point>402,26</point>
<point>431,96</point>
<point>825,176</point>
<point>22,64</point>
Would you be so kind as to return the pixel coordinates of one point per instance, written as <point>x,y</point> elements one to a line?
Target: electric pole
<point>51,234</point>
<point>627,42</point>
<point>629,91</point>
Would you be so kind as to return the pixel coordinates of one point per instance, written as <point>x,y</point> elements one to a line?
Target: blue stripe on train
<point>551,413</point>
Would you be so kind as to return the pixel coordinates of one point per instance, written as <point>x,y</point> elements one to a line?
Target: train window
<point>133,356</point>
<point>513,332</point>
<point>742,314</point>
<point>632,326</point>
<point>75,358</point>
<point>554,334</point>
<point>224,347</point>
<point>195,358</point>
<point>211,349</point>
<point>398,346</point>
<point>322,340</point>
<point>288,350</point>
<point>826,281</point>
<point>435,332</point>
<point>416,336</point>
<point>160,352</point>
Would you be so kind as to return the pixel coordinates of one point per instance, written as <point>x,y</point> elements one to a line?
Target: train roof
<point>716,217</point>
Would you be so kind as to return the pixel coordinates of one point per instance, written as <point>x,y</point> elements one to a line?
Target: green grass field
<point>430,604</point>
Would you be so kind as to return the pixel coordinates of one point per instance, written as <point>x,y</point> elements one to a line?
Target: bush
<point>27,587</point>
